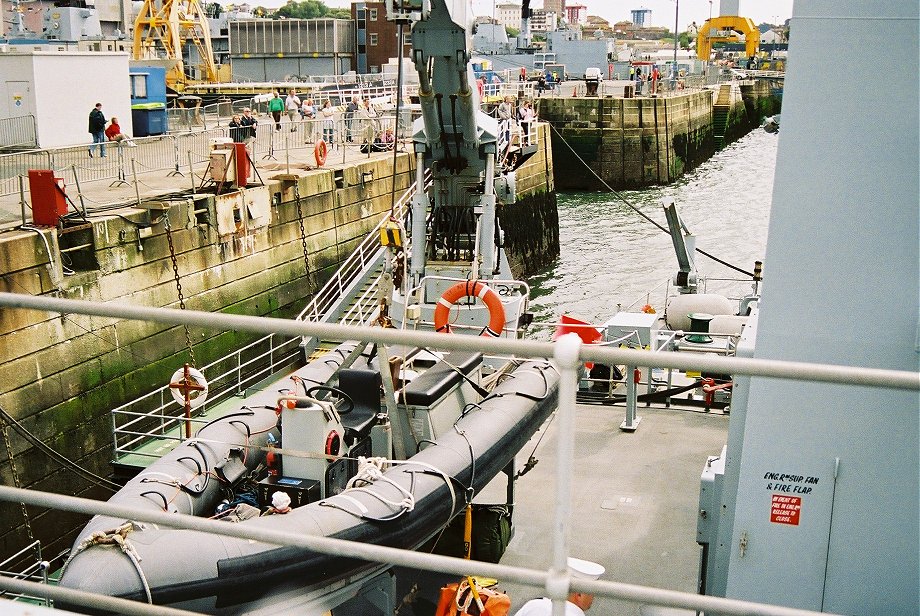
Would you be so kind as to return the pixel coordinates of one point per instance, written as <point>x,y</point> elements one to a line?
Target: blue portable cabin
<point>148,100</point>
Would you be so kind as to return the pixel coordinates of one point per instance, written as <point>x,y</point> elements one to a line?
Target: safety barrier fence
<point>568,354</point>
<point>18,133</point>
<point>175,153</point>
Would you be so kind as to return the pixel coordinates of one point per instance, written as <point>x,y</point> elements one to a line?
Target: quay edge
<point>634,143</point>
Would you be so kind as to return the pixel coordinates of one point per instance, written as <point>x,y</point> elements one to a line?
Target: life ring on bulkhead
<point>471,289</point>
<point>319,152</point>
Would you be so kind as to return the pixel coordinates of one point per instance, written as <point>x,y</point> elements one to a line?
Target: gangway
<point>150,426</point>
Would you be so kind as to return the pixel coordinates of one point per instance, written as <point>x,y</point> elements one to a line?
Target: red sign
<point>785,509</point>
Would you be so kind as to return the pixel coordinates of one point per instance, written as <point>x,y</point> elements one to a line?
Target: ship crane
<point>454,138</point>
<point>160,31</point>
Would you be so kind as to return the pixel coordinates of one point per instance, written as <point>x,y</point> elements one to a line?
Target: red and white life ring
<point>471,289</point>
<point>319,152</point>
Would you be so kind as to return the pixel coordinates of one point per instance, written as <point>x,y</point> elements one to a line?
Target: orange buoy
<point>470,288</point>
<point>319,152</point>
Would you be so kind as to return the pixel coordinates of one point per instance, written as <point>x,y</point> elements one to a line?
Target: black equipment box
<point>301,491</point>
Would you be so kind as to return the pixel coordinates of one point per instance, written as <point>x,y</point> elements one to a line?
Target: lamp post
<point>674,67</point>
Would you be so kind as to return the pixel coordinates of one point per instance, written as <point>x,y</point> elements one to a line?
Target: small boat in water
<point>771,124</point>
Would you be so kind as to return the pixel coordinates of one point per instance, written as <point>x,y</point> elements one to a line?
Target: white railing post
<point>566,356</point>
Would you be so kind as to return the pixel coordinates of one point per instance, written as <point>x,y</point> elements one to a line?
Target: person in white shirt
<point>578,602</point>
<point>292,104</point>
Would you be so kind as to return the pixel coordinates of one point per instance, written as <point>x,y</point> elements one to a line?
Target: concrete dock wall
<point>638,142</point>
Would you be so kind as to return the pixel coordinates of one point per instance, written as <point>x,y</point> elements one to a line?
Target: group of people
<point>102,133</point>
<point>362,122</point>
<point>509,116</point>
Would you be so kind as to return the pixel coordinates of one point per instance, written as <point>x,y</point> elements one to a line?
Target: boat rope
<point>538,369</point>
<point>63,461</point>
<point>117,536</point>
<point>369,475</point>
<point>16,482</point>
<point>175,266</point>
<point>469,489</point>
<point>370,471</point>
<point>637,210</point>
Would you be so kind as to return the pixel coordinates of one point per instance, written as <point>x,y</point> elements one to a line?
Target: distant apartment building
<point>576,14</point>
<point>508,14</point>
<point>640,17</point>
<point>554,6</point>
<point>376,38</point>
<point>544,21</point>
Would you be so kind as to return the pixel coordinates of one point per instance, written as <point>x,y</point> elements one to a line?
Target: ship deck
<point>634,503</point>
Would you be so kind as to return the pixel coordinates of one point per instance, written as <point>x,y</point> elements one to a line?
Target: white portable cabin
<point>60,88</point>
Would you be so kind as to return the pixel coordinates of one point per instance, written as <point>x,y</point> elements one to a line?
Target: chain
<point>303,235</point>
<point>175,266</point>
<point>16,481</point>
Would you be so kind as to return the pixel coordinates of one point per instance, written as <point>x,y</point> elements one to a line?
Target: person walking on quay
<point>369,121</point>
<point>275,107</point>
<point>328,114</point>
<point>292,104</point>
<point>638,81</point>
<point>526,117</point>
<point>248,124</point>
<point>97,129</point>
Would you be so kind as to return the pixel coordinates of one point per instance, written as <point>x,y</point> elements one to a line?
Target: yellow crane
<point>727,29</point>
<point>160,31</point>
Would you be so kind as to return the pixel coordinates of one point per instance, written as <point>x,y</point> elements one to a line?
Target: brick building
<point>375,37</point>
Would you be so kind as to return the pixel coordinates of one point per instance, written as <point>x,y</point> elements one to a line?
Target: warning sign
<point>785,509</point>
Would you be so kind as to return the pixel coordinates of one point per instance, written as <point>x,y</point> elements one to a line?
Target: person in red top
<point>113,133</point>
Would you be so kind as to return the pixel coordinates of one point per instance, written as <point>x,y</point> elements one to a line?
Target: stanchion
<point>121,168</point>
<point>271,146</point>
<point>76,181</point>
<point>176,171</point>
<point>137,192</point>
<point>22,197</point>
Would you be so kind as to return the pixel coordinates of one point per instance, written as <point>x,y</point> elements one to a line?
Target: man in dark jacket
<point>97,129</point>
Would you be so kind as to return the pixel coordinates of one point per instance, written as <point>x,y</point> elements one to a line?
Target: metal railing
<point>136,423</point>
<point>568,354</point>
<point>177,152</point>
<point>37,570</point>
<point>18,133</point>
<point>364,256</point>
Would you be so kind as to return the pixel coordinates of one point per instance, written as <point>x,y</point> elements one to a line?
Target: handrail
<point>355,263</point>
<point>130,432</point>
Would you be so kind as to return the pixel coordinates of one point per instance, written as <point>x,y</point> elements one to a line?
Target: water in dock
<point>610,255</point>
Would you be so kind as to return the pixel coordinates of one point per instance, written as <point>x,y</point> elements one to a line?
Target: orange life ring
<point>319,152</point>
<point>471,289</point>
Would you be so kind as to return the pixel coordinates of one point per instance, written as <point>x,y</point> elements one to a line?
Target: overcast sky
<point>770,11</point>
